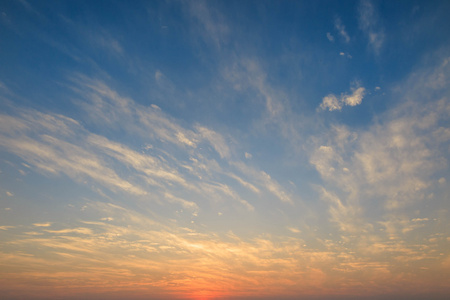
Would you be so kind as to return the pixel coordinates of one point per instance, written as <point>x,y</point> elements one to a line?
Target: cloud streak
<point>340,28</point>
<point>369,24</point>
<point>57,144</point>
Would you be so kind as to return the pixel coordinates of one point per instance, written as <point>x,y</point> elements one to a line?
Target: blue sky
<point>224,149</point>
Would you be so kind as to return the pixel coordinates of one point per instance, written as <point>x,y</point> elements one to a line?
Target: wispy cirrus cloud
<point>56,144</point>
<point>340,28</point>
<point>369,23</point>
<point>211,24</point>
<point>330,37</point>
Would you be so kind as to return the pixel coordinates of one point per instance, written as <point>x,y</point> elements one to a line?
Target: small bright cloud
<point>248,155</point>
<point>332,102</point>
<point>420,219</point>
<point>294,230</point>
<point>42,224</point>
<point>355,98</point>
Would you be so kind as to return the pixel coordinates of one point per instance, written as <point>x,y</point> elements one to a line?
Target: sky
<point>204,150</point>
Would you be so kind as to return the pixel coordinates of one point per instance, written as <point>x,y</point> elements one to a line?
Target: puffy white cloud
<point>355,98</point>
<point>332,102</point>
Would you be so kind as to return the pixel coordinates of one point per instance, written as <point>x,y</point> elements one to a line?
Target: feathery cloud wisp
<point>369,24</point>
<point>341,29</point>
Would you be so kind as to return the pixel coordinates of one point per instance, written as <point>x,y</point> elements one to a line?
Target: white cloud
<point>149,165</point>
<point>355,98</point>
<point>79,230</point>
<point>420,219</point>
<point>163,82</point>
<point>330,37</point>
<point>369,24</point>
<point>53,155</point>
<point>158,75</point>
<point>110,43</point>
<point>102,39</point>
<point>209,22</point>
<point>263,180</point>
<point>216,140</point>
<point>4,88</point>
<point>6,227</point>
<point>294,230</point>
<point>184,203</point>
<point>245,183</point>
<point>346,215</point>
<point>48,224</point>
<point>331,102</point>
<point>178,157</point>
<point>248,73</point>
<point>341,29</point>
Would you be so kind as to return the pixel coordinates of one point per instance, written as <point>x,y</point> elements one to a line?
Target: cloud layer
<point>195,151</point>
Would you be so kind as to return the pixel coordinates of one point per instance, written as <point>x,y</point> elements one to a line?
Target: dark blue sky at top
<point>44,45</point>
<point>289,37</point>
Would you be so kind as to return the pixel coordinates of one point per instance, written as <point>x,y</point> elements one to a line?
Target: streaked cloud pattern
<point>170,150</point>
